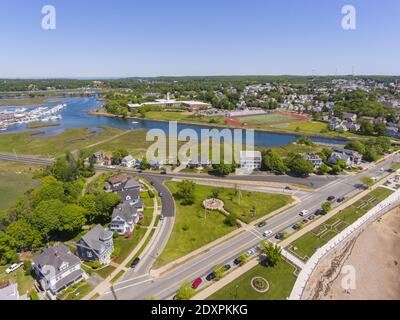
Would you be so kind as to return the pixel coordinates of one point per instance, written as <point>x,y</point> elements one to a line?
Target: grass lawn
<point>148,216</point>
<point>167,116</point>
<point>69,140</point>
<point>77,291</point>
<point>41,125</point>
<point>266,119</point>
<point>281,279</point>
<point>105,272</point>
<point>305,246</point>
<point>15,179</point>
<point>192,231</point>
<point>128,245</point>
<point>142,248</point>
<point>148,202</point>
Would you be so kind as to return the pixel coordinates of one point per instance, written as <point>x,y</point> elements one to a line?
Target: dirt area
<point>373,257</point>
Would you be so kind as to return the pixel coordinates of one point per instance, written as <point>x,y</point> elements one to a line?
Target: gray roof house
<point>97,244</point>
<point>57,268</point>
<point>11,293</point>
<point>124,218</point>
<point>352,158</point>
<point>313,158</point>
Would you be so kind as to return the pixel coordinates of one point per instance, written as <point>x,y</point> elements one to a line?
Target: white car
<point>267,233</point>
<point>251,252</point>
<point>14,267</point>
<point>303,213</point>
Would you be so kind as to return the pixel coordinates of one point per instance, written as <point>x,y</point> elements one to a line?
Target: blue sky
<point>99,38</point>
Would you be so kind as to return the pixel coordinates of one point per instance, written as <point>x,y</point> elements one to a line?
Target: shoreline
<point>284,133</point>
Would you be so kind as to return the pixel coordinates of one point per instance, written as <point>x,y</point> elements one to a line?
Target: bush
<point>151,194</point>
<point>33,295</point>
<point>94,265</point>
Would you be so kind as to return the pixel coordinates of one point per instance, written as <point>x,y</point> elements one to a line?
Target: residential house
<point>350,157</point>
<point>100,157</point>
<point>124,218</point>
<point>10,292</point>
<point>350,117</point>
<point>96,245</point>
<point>128,162</point>
<point>116,182</point>
<point>57,268</point>
<point>314,159</point>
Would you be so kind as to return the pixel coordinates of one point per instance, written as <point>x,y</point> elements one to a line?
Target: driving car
<point>267,233</point>
<point>162,217</point>
<point>303,213</point>
<point>262,224</point>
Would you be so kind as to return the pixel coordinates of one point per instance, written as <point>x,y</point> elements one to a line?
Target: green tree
<point>370,154</point>
<point>324,169</point>
<point>380,128</point>
<point>72,218</point>
<point>368,181</point>
<point>272,252</point>
<point>23,236</point>
<point>45,217</point>
<point>185,192</point>
<point>326,207</point>
<point>145,165</point>
<point>243,258</point>
<point>366,128</point>
<point>50,189</point>
<point>219,272</point>
<point>186,292</point>
<point>300,166</point>
<point>272,161</point>
<point>118,155</point>
<point>7,251</point>
<point>356,146</point>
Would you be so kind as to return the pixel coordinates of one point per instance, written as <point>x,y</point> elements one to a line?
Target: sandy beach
<point>374,256</point>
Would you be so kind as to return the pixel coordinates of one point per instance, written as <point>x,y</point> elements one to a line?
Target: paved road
<point>164,287</point>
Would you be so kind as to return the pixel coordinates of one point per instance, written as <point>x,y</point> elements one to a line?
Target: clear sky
<point>119,38</point>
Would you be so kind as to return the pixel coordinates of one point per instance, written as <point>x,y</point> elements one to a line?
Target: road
<point>143,286</point>
<point>139,284</point>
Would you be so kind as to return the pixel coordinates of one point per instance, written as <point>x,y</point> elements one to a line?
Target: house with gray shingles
<point>124,218</point>
<point>96,245</point>
<point>57,268</point>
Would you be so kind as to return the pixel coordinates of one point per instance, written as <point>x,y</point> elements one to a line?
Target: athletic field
<point>270,119</point>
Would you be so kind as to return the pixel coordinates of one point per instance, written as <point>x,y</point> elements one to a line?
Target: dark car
<point>312,217</point>
<point>279,236</point>
<point>331,198</point>
<point>211,276</point>
<point>288,188</point>
<point>296,227</point>
<point>319,212</point>
<point>227,267</point>
<point>135,263</point>
<point>341,199</point>
<point>160,194</point>
<point>152,183</point>
<point>236,262</point>
<point>262,224</point>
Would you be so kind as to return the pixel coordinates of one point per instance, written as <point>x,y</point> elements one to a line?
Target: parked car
<point>267,233</point>
<point>211,276</point>
<point>227,267</point>
<point>135,263</point>
<point>303,213</point>
<point>319,212</point>
<point>14,267</point>
<point>296,227</point>
<point>162,217</point>
<point>305,221</point>
<point>236,262</point>
<point>341,199</point>
<point>288,188</point>
<point>262,224</point>
<point>312,217</point>
<point>331,198</point>
<point>196,283</point>
<point>251,252</point>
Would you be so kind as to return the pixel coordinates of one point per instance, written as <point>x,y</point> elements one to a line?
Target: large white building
<point>250,160</point>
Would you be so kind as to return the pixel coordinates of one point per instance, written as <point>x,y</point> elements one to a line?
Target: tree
<point>186,292</point>
<point>366,128</point>
<point>326,207</point>
<point>105,203</point>
<point>118,155</point>
<point>324,169</point>
<point>370,154</point>
<point>72,218</point>
<point>223,169</point>
<point>368,181</point>
<point>300,166</point>
<point>65,169</point>
<point>243,258</point>
<point>45,217</point>
<point>305,141</point>
<point>356,146</point>
<point>7,252</point>
<point>272,252</point>
<point>145,165</point>
<point>380,128</point>
<point>219,272</point>
<point>50,189</point>
<point>231,220</point>
<point>23,236</point>
<point>186,192</point>
<point>272,161</point>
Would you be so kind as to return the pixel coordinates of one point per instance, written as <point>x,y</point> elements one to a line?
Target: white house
<point>250,160</point>
<point>313,158</point>
<point>57,268</point>
<point>128,161</point>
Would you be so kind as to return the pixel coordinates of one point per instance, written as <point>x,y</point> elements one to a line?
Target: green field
<point>41,125</point>
<point>15,179</point>
<point>281,279</point>
<point>305,246</point>
<point>128,245</point>
<point>267,119</point>
<point>70,140</point>
<point>193,229</point>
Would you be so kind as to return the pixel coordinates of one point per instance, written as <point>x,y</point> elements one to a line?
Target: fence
<point>392,201</point>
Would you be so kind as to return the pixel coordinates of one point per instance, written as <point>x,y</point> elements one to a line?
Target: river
<point>75,115</point>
